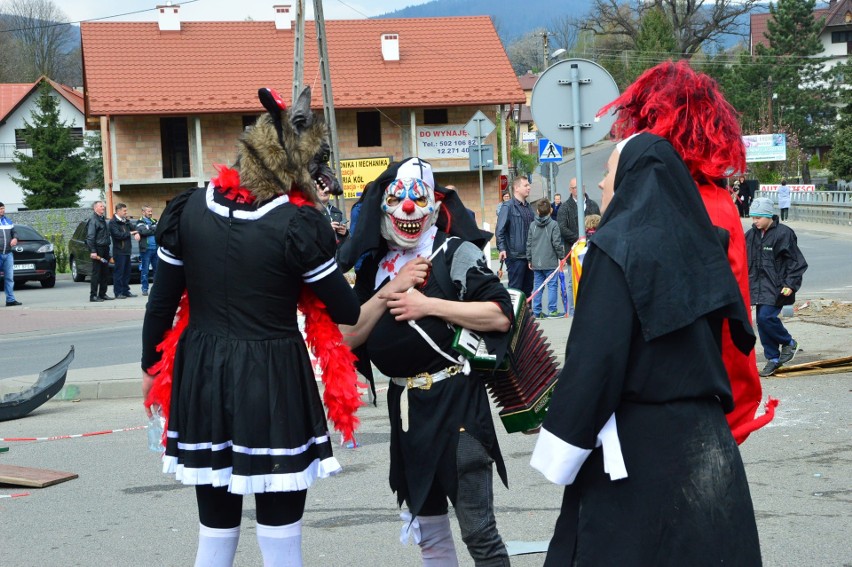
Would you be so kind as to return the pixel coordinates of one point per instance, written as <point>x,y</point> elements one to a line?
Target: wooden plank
<point>821,363</point>
<point>35,478</point>
<point>787,373</point>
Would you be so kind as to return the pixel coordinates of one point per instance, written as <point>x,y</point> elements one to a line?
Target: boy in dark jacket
<point>775,268</point>
<point>544,250</point>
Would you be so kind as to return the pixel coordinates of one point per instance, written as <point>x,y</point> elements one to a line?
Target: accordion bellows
<point>523,383</point>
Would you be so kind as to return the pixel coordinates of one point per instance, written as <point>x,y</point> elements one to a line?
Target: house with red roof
<point>836,33</point>
<point>172,97</point>
<point>17,101</point>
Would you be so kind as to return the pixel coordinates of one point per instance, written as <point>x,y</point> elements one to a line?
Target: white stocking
<point>216,547</point>
<point>281,546</point>
<point>436,542</point>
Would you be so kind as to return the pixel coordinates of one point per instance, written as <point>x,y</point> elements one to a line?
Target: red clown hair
<point>688,109</point>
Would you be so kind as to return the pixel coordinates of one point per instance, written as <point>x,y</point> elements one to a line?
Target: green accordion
<point>523,382</point>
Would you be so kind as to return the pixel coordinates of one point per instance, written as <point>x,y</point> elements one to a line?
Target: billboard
<point>765,147</point>
<point>356,173</point>
<point>444,142</point>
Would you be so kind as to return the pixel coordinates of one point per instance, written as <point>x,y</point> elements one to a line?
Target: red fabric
<point>228,183</point>
<point>742,369</point>
<point>342,397</point>
<point>161,391</point>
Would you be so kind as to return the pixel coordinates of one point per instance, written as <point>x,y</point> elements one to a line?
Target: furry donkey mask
<point>285,149</point>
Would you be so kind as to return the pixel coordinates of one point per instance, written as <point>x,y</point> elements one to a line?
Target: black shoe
<point>788,352</point>
<point>770,368</point>
<point>95,299</point>
<point>128,294</point>
<point>13,303</point>
<point>121,297</point>
<point>106,297</point>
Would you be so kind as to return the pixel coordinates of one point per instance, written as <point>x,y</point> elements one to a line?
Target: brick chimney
<point>390,46</point>
<point>168,18</point>
<point>283,16</point>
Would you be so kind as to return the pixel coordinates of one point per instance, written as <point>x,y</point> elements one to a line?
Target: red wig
<point>688,109</point>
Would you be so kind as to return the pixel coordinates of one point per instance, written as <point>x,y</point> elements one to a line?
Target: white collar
<point>396,258</point>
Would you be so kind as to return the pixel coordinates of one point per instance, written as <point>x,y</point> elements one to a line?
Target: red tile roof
<point>528,80</point>
<point>759,27</point>
<point>214,67</point>
<point>12,95</point>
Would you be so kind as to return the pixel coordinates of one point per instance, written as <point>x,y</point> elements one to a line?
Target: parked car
<point>34,258</point>
<point>81,262</point>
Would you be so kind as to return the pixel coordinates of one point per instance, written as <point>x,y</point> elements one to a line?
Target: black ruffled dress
<point>245,407</point>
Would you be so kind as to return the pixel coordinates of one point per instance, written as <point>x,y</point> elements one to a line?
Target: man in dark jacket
<point>334,215</point>
<point>567,221</point>
<point>97,241</point>
<point>513,226</point>
<point>567,217</point>
<point>121,232</point>
<point>775,269</point>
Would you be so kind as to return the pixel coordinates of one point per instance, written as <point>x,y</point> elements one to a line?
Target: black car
<point>81,262</point>
<point>34,258</point>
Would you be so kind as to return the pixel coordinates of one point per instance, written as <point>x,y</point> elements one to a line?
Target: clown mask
<point>410,210</point>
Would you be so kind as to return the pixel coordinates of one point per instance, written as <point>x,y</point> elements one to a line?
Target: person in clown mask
<point>423,272</point>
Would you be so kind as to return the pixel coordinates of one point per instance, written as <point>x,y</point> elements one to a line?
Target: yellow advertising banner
<point>356,173</point>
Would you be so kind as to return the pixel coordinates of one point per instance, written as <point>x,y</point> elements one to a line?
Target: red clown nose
<point>408,206</point>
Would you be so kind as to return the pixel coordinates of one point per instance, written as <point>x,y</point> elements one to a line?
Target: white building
<point>17,101</point>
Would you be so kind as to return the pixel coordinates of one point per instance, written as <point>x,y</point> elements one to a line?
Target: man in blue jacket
<point>513,226</point>
<point>8,238</point>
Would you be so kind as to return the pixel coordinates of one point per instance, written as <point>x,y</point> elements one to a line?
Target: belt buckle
<point>425,376</point>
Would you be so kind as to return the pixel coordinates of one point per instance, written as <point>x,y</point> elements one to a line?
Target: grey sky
<point>224,10</point>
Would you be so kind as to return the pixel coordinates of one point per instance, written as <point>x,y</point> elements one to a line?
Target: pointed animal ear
<point>300,114</point>
<point>272,102</point>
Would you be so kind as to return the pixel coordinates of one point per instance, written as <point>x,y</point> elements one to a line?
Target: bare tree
<point>696,22</point>
<point>564,32</point>
<point>44,37</point>
<point>527,52</point>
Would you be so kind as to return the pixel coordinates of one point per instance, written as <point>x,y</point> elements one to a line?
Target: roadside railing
<point>829,207</point>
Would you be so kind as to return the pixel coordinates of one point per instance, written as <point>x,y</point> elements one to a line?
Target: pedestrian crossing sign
<point>548,151</point>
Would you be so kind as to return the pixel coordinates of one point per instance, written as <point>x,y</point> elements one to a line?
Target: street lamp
<point>558,53</point>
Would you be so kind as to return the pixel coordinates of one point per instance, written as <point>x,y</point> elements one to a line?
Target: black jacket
<point>120,232</point>
<point>97,234</point>
<point>513,226</point>
<point>567,219</point>
<point>333,214</point>
<point>774,262</point>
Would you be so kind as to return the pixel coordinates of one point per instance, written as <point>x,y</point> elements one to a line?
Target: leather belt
<point>422,381</point>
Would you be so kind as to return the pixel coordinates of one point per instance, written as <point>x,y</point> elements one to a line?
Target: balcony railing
<point>7,152</point>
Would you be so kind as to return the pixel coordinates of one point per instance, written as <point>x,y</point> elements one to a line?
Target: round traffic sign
<point>552,102</point>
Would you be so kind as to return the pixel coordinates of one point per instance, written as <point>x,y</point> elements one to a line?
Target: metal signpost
<point>569,117</point>
<point>549,154</point>
<point>482,126</point>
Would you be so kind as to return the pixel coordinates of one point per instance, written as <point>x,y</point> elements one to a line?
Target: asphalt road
<point>123,511</point>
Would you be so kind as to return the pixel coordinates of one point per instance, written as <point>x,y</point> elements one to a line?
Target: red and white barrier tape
<point>18,495</point>
<point>75,436</point>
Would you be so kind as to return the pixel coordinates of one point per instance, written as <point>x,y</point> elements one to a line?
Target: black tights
<point>218,508</point>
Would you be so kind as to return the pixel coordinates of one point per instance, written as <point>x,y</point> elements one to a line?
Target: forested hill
<point>511,17</point>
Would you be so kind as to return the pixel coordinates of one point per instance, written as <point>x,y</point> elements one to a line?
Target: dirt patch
<point>825,312</point>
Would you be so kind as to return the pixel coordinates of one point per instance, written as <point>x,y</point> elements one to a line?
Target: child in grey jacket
<point>544,250</point>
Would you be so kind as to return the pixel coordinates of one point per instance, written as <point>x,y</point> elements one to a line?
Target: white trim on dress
<point>255,214</point>
<point>320,271</point>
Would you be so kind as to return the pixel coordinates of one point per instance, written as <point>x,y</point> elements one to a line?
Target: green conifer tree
<point>54,174</point>
<point>803,87</point>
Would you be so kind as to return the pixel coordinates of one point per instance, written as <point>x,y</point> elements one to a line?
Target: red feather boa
<point>342,397</point>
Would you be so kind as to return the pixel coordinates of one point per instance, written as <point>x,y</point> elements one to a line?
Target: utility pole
<point>298,50</point>
<point>544,35</point>
<point>769,82</point>
<point>325,74</point>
